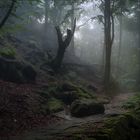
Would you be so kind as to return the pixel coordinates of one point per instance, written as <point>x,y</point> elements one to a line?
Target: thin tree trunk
<point>108,43</point>
<point>120,45</point>
<point>2,23</point>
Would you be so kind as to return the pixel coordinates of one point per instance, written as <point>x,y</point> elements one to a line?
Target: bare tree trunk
<point>62,46</point>
<point>108,43</point>
<point>120,43</point>
<point>2,23</point>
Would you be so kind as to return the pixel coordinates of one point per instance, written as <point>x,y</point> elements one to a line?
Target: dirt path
<point>113,108</point>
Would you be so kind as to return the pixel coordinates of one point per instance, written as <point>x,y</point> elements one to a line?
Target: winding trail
<point>45,133</point>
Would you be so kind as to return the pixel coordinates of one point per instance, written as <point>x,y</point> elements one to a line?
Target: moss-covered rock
<point>122,127</point>
<point>133,102</point>
<point>82,108</point>
<point>16,71</point>
<point>54,105</point>
<point>68,92</point>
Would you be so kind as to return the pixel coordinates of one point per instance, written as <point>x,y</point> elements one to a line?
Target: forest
<point>69,69</point>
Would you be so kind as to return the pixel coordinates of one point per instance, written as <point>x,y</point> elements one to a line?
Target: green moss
<point>133,102</point>
<point>52,89</point>
<point>54,105</point>
<point>8,52</point>
<point>84,94</point>
<point>122,127</point>
<point>77,133</point>
<point>43,93</point>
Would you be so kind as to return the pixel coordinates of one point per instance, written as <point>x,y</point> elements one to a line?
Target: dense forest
<point>69,69</point>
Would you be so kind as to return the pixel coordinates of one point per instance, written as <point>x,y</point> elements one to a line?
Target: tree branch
<point>70,34</point>
<point>2,23</point>
<point>59,34</point>
<point>85,22</point>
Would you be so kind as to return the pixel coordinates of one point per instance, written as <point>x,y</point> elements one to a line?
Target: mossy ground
<point>54,105</point>
<point>133,102</point>
<point>122,127</point>
<point>53,96</point>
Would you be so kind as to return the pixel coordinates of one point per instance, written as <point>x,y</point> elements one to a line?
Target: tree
<point>12,11</point>
<point>111,9</point>
<point>109,37</point>
<point>2,23</point>
<point>121,9</point>
<point>63,45</point>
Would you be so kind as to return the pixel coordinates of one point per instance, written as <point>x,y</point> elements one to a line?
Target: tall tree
<point>111,9</point>
<point>121,9</point>
<point>108,28</point>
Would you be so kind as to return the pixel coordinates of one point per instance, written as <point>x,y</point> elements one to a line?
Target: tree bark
<point>62,46</point>
<point>108,43</point>
<point>120,43</point>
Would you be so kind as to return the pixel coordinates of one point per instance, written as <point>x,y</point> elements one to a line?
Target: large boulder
<point>16,71</point>
<point>68,92</point>
<point>67,97</point>
<point>82,108</point>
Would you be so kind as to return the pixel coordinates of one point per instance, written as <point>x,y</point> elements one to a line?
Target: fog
<point>37,22</point>
<point>69,69</point>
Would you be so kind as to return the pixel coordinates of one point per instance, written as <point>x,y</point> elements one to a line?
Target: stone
<point>16,71</point>
<point>87,107</point>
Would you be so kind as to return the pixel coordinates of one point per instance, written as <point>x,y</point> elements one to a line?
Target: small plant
<point>8,52</point>
<point>133,102</point>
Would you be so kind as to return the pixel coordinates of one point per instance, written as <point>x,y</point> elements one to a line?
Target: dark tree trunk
<point>62,46</point>
<point>2,23</point>
<point>108,43</point>
<point>120,43</point>
<point>57,62</point>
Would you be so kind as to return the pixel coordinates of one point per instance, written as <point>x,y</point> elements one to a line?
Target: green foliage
<point>133,102</point>
<point>49,104</point>
<point>8,52</point>
<point>54,105</point>
<point>10,29</point>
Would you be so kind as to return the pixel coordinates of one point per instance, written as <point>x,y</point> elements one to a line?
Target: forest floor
<point>114,108</point>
